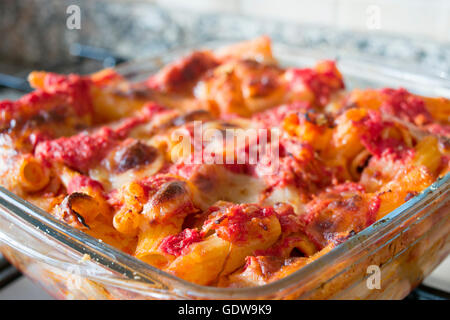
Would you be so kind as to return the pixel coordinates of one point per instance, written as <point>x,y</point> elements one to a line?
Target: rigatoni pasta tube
<point>204,262</point>
<point>33,175</point>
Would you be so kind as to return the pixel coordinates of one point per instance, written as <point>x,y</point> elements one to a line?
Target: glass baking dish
<point>406,245</point>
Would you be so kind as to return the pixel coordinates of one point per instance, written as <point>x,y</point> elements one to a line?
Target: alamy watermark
<point>373,21</point>
<point>232,146</point>
<point>374,279</point>
<point>73,21</point>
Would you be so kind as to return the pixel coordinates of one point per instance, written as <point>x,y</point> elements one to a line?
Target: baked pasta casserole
<point>224,168</point>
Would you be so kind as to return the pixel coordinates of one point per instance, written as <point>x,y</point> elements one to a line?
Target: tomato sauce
<point>405,105</point>
<point>323,83</point>
<point>79,152</point>
<point>76,87</point>
<point>232,224</point>
<point>372,126</point>
<point>179,244</point>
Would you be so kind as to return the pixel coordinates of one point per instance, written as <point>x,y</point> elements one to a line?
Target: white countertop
<point>440,277</point>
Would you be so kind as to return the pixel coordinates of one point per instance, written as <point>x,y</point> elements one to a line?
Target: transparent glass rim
<point>142,276</point>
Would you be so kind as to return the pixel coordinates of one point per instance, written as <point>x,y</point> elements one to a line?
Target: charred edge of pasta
<point>68,203</point>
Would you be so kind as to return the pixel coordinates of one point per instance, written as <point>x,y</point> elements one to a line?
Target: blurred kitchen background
<point>48,34</point>
<point>409,31</point>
